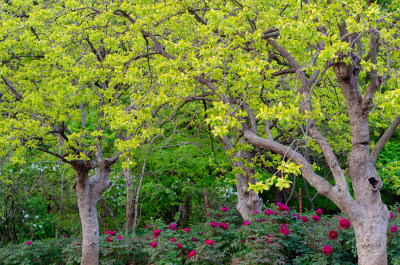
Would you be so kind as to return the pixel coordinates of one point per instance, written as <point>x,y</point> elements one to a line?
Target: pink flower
<point>279,203</point>
<point>200,233</point>
<point>153,244</point>
<point>398,209</point>
<point>111,232</point>
<point>319,211</point>
<point>172,239</point>
<point>224,209</point>
<point>223,226</point>
<point>393,216</point>
<point>333,234</point>
<point>29,243</point>
<point>283,208</point>
<point>394,229</point>
<point>255,212</point>
<point>284,230</point>
<point>297,216</point>
<point>179,245</point>
<point>187,230</point>
<point>209,242</point>
<point>344,223</point>
<point>246,223</point>
<point>156,233</point>
<point>194,239</point>
<point>192,253</point>
<point>304,219</point>
<point>214,224</point>
<point>108,239</point>
<point>259,220</point>
<point>119,237</point>
<point>268,211</point>
<point>171,226</point>
<point>327,250</point>
<point>316,218</point>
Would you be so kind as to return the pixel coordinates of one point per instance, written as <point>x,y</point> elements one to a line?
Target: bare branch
<point>10,85</point>
<point>384,139</point>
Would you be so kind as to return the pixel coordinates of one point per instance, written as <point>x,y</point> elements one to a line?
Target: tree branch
<point>384,139</point>
<point>10,85</point>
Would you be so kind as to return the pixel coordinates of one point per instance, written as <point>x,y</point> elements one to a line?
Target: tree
<point>256,60</point>
<point>72,87</point>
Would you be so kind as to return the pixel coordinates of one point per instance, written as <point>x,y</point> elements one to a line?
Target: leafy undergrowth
<point>274,236</point>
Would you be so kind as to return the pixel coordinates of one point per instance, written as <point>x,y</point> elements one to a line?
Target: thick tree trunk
<point>88,193</point>
<point>248,201</point>
<point>371,239</point>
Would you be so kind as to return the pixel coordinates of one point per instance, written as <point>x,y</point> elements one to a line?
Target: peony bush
<point>277,235</point>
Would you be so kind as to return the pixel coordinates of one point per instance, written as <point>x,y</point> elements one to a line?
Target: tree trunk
<point>130,198</point>
<point>88,193</point>
<point>371,240</point>
<point>248,201</point>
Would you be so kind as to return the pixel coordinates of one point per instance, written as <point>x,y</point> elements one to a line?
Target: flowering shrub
<point>278,238</point>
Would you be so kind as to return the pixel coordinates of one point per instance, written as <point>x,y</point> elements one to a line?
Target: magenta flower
<point>108,239</point>
<point>200,233</point>
<point>171,226</point>
<point>268,211</point>
<point>246,223</point>
<point>283,208</point>
<point>223,226</point>
<point>209,242</point>
<point>187,230</point>
<point>279,203</point>
<point>156,233</point>
<point>284,230</point>
<point>327,250</point>
<point>194,239</point>
<point>319,211</point>
<point>316,218</point>
<point>297,216</point>
<point>333,234</point>
<point>29,243</point>
<point>172,239</point>
<point>214,224</point>
<point>255,212</point>
<point>304,219</point>
<point>393,216</point>
<point>344,223</point>
<point>119,237</point>
<point>192,254</point>
<point>394,229</point>
<point>259,220</point>
<point>111,232</point>
<point>153,244</point>
<point>398,209</point>
<point>179,245</point>
<point>224,209</point>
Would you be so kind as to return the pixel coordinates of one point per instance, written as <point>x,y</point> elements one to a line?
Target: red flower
<point>209,242</point>
<point>194,239</point>
<point>153,244</point>
<point>192,253</point>
<point>319,211</point>
<point>394,229</point>
<point>223,226</point>
<point>108,239</point>
<point>171,226</point>
<point>284,230</point>
<point>187,230</point>
<point>259,220</point>
<point>327,250</point>
<point>224,209</point>
<point>316,218</point>
<point>179,245</point>
<point>200,233</point>
<point>172,239</point>
<point>304,219</point>
<point>283,208</point>
<point>398,209</point>
<point>214,224</point>
<point>332,234</point>
<point>156,233</point>
<point>111,232</point>
<point>268,212</point>
<point>344,223</point>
